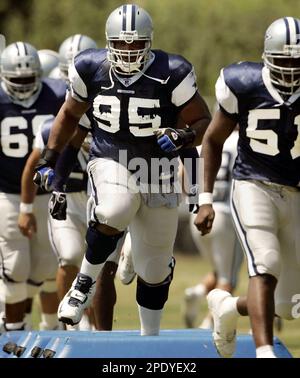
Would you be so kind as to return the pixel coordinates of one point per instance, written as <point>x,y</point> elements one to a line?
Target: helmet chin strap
<point>142,72</point>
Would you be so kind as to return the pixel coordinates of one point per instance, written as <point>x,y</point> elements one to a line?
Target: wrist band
<point>26,208</point>
<point>205,198</point>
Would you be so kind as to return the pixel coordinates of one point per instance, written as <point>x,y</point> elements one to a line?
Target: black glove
<point>58,205</point>
<point>173,139</point>
<point>44,170</point>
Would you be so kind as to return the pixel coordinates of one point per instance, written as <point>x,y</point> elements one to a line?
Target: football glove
<point>58,205</point>
<point>44,170</point>
<point>173,139</point>
<point>43,178</point>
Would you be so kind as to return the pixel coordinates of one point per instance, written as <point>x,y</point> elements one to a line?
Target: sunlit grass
<point>188,272</point>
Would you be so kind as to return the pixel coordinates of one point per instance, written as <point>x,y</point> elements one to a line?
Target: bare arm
<point>27,222</point>
<point>197,116</point>
<point>65,123</point>
<point>28,189</point>
<point>67,160</point>
<point>218,131</point>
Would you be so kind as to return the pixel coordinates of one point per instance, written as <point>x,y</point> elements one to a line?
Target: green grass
<point>188,272</point>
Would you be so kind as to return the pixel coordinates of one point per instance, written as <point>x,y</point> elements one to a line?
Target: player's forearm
<point>28,189</point>
<point>200,127</point>
<point>63,128</point>
<point>212,154</point>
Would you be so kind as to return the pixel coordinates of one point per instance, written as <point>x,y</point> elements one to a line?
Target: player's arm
<point>63,168</point>
<point>67,159</point>
<point>196,114</point>
<point>64,126</point>
<point>66,122</point>
<point>27,221</point>
<point>193,114</point>
<point>217,132</point>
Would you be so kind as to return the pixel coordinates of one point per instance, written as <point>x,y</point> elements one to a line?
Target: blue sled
<point>180,343</point>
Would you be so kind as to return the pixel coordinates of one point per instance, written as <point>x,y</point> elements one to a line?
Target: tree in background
<point>210,34</point>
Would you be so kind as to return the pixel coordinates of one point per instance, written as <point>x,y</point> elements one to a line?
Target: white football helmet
<point>20,70</point>
<point>69,48</point>
<point>128,23</point>
<point>49,60</point>
<point>282,54</point>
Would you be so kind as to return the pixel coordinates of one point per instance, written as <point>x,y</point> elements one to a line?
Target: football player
<point>264,99</point>
<point>25,102</point>
<point>67,232</point>
<point>134,93</point>
<point>221,247</point>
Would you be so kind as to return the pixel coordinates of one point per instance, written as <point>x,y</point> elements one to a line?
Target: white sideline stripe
<point>241,236</point>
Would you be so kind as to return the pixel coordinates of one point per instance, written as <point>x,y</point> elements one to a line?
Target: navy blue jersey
<point>126,110</point>
<point>77,180</point>
<point>269,136</point>
<point>19,124</point>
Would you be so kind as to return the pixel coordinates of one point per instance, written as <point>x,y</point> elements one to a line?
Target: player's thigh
<point>153,232</point>
<point>255,218</point>
<point>202,243</point>
<point>287,290</point>
<point>14,247</point>
<point>43,260</point>
<point>67,239</point>
<point>223,247</point>
<point>77,205</point>
<point>288,286</point>
<point>115,199</point>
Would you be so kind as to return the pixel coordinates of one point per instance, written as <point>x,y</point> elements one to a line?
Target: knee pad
<point>152,296</point>
<point>284,310</point>
<point>99,245</point>
<point>49,286</point>
<point>33,288</point>
<point>12,292</point>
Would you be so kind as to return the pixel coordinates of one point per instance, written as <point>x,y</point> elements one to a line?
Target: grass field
<point>189,269</point>
<point>187,273</point>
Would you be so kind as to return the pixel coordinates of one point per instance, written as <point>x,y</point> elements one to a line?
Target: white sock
<point>14,326</point>
<point>91,270</point>
<point>150,321</point>
<point>49,322</point>
<point>265,351</point>
<point>200,290</point>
